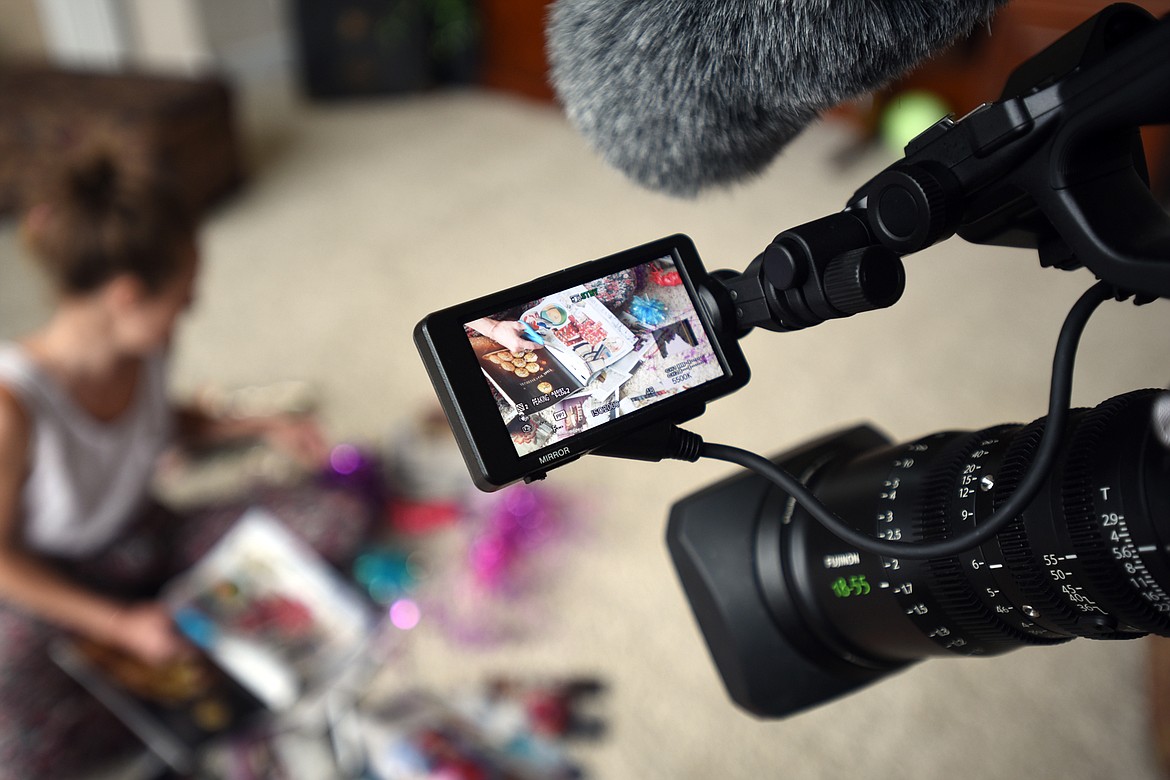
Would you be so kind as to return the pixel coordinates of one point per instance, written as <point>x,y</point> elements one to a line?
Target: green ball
<point>907,115</point>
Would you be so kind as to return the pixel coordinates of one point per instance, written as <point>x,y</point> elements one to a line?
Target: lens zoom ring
<point>1013,540</point>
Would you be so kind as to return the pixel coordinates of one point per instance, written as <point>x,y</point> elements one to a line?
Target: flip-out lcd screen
<point>537,375</point>
<point>584,356</point>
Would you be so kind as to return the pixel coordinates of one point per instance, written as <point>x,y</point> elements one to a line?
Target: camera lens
<point>1089,556</point>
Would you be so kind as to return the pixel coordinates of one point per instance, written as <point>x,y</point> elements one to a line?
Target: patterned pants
<point>52,728</point>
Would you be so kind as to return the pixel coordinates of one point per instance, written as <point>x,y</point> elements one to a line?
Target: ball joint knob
<point>864,279</point>
<point>909,209</point>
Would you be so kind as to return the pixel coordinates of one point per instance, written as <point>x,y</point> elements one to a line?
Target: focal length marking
<point>917,604</point>
<point>988,573</point>
<point>1116,532</point>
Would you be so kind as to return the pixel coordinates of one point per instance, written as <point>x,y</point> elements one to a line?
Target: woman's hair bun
<point>93,180</point>
<point>105,212</point>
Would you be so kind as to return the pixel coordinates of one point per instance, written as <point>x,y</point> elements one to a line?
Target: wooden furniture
<point>183,127</point>
<point>514,56</point>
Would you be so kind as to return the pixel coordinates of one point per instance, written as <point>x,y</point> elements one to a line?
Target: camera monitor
<point>535,376</point>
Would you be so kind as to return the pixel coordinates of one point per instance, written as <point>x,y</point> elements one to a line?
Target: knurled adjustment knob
<point>907,208</point>
<point>864,279</point>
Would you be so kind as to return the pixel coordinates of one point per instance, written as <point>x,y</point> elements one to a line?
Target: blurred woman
<point>84,416</point>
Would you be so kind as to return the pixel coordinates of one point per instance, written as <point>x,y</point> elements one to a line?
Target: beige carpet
<point>363,217</point>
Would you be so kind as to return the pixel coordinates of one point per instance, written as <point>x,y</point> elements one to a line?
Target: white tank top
<point>87,478</point>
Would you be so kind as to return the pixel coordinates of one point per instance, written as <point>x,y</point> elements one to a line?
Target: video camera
<point>849,557</point>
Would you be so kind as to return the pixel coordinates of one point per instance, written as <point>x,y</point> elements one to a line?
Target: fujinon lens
<point>794,616</point>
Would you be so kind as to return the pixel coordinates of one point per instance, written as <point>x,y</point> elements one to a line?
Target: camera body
<point>1050,534</point>
<point>596,351</point>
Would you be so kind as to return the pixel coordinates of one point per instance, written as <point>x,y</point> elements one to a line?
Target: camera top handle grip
<point>1098,201</point>
<point>1056,164</point>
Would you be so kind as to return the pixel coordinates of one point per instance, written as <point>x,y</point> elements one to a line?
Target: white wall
<point>168,36</point>
<point>248,38</point>
<point>86,33</point>
<point>243,39</point>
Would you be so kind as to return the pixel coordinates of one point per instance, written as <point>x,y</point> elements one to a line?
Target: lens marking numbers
<point>1128,555</point>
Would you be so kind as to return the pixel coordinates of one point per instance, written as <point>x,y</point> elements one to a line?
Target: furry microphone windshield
<point>684,94</point>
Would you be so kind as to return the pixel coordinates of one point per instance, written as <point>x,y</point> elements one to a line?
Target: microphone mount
<point>822,270</point>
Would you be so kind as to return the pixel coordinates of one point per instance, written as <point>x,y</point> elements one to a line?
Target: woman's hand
<point>147,632</point>
<point>509,334</point>
<point>299,436</point>
<point>512,335</point>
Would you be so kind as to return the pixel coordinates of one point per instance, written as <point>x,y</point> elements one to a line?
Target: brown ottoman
<point>181,127</point>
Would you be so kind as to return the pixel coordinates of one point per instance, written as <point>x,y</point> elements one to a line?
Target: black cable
<point>1059,398</point>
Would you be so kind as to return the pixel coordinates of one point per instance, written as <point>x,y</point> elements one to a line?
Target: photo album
<point>274,625</point>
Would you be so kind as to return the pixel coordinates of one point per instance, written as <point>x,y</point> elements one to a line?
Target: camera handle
<point>1055,165</point>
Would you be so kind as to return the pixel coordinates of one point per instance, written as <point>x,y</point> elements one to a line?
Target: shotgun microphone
<point>685,94</point>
